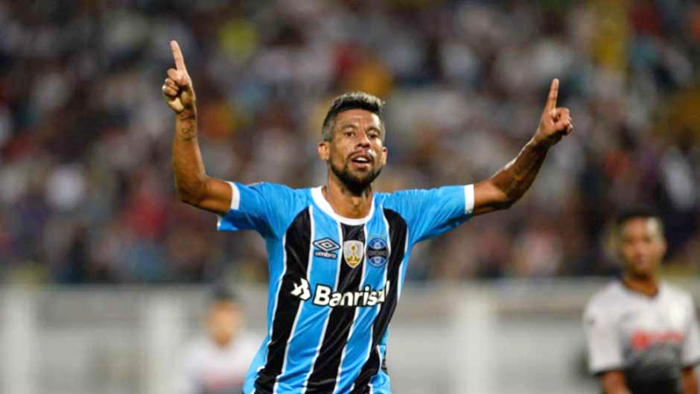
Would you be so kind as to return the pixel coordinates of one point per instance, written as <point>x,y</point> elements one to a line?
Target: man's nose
<point>640,251</point>
<point>363,140</point>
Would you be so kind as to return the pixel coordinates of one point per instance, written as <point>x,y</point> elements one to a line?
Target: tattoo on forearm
<point>186,126</point>
<point>187,132</point>
<point>519,174</point>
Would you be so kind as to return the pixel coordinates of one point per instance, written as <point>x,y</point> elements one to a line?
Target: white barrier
<point>18,341</point>
<point>505,337</point>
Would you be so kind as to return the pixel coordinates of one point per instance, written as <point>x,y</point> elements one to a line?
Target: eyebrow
<point>378,130</point>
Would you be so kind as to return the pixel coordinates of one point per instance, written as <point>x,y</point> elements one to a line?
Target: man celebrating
<point>643,335</point>
<point>338,253</point>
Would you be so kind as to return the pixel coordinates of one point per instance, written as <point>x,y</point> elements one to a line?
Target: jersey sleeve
<point>431,212</point>
<point>264,207</point>
<point>604,347</point>
<point>690,354</point>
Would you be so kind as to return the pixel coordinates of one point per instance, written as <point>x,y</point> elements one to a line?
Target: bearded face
<point>356,180</point>
<point>356,153</point>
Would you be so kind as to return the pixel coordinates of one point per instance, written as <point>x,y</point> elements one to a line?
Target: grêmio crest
<point>377,252</point>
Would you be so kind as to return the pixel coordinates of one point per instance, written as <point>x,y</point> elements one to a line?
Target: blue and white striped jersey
<point>334,281</point>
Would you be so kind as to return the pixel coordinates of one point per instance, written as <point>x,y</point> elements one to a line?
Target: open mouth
<point>362,161</point>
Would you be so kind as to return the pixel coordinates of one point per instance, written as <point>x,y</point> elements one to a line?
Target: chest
<point>223,363</point>
<point>645,323</point>
<point>349,250</point>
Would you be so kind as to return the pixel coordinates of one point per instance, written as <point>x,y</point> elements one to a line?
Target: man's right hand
<point>177,89</point>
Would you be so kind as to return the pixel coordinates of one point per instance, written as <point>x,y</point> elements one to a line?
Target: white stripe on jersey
<point>469,199</point>
<point>235,196</point>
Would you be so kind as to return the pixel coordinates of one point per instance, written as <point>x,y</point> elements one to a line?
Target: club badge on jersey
<point>377,252</point>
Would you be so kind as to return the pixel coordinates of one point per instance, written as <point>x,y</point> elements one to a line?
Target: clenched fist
<point>177,88</point>
<point>555,123</point>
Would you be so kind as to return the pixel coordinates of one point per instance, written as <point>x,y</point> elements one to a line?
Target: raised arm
<point>193,185</point>
<point>510,183</point>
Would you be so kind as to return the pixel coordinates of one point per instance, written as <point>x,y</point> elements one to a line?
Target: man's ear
<point>385,155</point>
<point>324,150</point>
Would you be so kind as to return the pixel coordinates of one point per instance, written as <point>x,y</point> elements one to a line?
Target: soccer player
<point>217,363</point>
<point>642,333</point>
<point>338,253</point>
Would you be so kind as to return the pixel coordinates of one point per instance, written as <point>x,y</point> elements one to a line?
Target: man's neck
<point>647,285</point>
<point>345,203</point>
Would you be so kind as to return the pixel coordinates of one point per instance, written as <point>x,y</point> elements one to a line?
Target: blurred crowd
<point>86,184</point>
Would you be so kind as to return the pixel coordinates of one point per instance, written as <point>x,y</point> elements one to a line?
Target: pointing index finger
<point>553,93</point>
<point>177,55</point>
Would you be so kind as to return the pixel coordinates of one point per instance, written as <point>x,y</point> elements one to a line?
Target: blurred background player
<point>216,363</point>
<point>642,333</point>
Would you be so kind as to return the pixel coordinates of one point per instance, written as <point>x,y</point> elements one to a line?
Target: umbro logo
<point>325,248</point>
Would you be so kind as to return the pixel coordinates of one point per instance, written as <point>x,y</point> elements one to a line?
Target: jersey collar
<point>322,203</point>
<point>625,288</point>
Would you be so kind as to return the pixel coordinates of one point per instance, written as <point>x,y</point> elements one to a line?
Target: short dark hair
<point>352,100</point>
<point>639,212</point>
